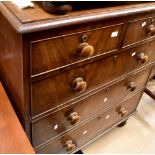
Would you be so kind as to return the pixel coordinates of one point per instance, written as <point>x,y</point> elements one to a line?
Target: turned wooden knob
<point>132,86</point>
<point>73,118</point>
<point>142,58</point>
<point>151,29</point>
<point>85,50</point>
<point>79,85</point>
<point>121,111</point>
<point>69,146</point>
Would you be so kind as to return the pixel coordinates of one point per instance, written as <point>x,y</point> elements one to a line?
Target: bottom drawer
<point>82,135</point>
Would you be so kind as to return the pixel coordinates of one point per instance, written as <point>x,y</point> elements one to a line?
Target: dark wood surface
<point>12,136</point>
<point>61,51</point>
<point>103,99</point>
<point>117,66</point>
<point>28,16</point>
<point>49,84</point>
<point>93,128</point>
<point>140,29</point>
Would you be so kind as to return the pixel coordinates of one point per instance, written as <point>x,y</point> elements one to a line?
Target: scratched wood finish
<point>90,130</point>
<point>103,99</point>
<point>53,53</point>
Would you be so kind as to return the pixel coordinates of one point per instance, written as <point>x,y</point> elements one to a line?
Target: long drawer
<point>57,90</point>
<point>76,138</point>
<point>60,51</point>
<point>58,122</point>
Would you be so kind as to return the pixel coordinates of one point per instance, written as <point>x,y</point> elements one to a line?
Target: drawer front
<point>53,53</point>
<point>57,123</point>
<point>93,128</point>
<point>140,29</point>
<point>137,57</point>
<point>51,92</point>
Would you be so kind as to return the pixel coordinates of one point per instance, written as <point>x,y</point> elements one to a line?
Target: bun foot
<point>122,124</point>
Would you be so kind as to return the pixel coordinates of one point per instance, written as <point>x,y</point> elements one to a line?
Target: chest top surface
<point>34,19</point>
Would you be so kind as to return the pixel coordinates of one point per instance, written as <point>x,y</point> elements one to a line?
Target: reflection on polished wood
<point>12,136</point>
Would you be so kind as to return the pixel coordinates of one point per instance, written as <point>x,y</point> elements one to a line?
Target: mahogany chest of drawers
<point>73,77</point>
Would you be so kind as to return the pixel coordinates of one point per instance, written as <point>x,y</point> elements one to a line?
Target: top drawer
<point>139,30</point>
<point>60,51</point>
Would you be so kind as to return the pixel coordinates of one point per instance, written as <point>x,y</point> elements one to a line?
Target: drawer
<point>60,51</point>
<point>137,57</point>
<point>142,29</point>
<point>93,128</point>
<point>57,90</point>
<point>58,122</point>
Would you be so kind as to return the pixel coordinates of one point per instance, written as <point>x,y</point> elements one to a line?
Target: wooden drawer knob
<point>69,146</point>
<point>151,29</point>
<point>142,58</point>
<point>79,84</point>
<point>73,118</point>
<point>85,50</point>
<point>132,86</point>
<point>121,111</point>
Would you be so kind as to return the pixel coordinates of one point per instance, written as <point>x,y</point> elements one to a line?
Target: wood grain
<point>93,128</point>
<point>53,53</point>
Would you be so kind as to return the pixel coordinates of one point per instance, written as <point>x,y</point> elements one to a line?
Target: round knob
<point>121,111</point>
<point>85,50</point>
<point>73,118</point>
<point>79,85</point>
<point>142,58</point>
<point>151,29</point>
<point>132,86</point>
<point>69,146</point>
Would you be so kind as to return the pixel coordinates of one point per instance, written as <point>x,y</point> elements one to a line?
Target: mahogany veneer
<point>74,77</point>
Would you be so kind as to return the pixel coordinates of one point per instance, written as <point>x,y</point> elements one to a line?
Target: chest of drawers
<point>73,77</point>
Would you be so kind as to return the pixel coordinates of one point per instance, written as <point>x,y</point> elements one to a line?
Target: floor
<point>137,136</point>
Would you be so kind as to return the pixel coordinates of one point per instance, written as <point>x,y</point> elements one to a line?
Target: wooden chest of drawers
<point>72,78</point>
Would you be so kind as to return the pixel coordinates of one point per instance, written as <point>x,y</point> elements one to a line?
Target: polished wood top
<point>12,136</point>
<point>32,20</point>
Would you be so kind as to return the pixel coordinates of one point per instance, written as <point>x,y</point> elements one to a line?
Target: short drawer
<point>139,30</point>
<point>60,51</point>
<point>137,57</point>
<point>58,122</point>
<point>92,129</point>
